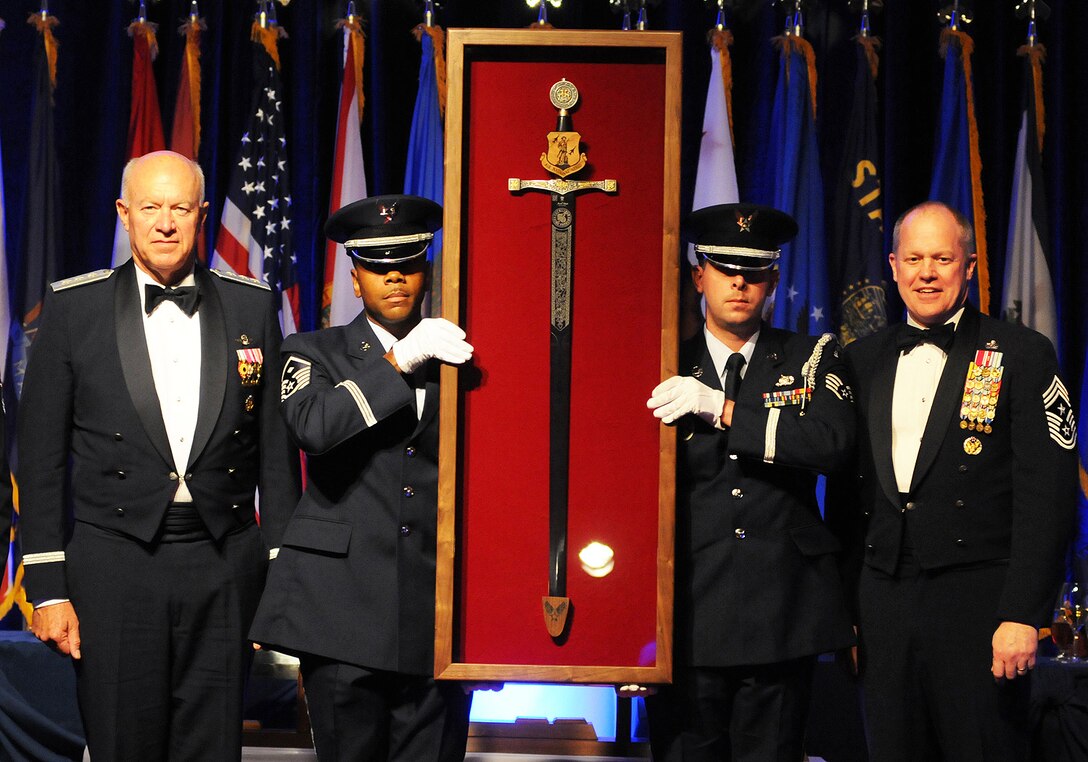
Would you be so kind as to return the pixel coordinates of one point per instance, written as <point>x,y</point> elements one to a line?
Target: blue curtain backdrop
<point>94,70</point>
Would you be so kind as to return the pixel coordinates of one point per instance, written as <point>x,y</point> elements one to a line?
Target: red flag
<point>185,135</point>
<point>338,302</point>
<point>144,117</point>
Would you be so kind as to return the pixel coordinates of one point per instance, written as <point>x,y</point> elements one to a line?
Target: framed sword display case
<point>561,262</point>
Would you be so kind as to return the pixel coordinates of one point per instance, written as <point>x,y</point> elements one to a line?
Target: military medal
<point>790,397</point>
<point>972,445</point>
<point>981,390</point>
<point>250,362</point>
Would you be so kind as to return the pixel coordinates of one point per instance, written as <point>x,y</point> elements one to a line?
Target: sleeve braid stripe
<point>52,557</point>
<point>360,400</point>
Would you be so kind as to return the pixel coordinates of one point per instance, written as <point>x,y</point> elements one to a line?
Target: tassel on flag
<point>339,305</point>
<point>957,167</point>
<point>255,230</point>
<point>1028,295</point>
<point>424,173</point>
<point>144,120</point>
<point>859,218</point>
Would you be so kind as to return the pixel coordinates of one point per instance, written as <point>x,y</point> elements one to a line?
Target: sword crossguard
<point>561,187</point>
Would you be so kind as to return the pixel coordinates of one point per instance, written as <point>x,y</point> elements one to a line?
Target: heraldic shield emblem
<point>564,156</point>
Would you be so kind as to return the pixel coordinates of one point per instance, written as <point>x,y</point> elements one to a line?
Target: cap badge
<point>744,221</point>
<point>388,212</point>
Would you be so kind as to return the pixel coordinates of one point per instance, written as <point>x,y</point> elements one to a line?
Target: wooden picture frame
<point>493,555</point>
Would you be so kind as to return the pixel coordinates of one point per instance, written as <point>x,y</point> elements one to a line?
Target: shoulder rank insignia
<point>296,376</point>
<point>244,279</point>
<point>784,380</point>
<point>1059,415</point>
<point>838,387</point>
<point>81,280</point>
<point>981,389</point>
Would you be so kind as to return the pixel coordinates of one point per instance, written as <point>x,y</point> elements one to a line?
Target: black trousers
<point>360,714</point>
<point>163,630</point>
<point>737,714</point>
<point>925,654</point>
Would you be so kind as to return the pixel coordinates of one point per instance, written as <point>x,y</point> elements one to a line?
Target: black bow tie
<point>185,297</point>
<point>908,337</point>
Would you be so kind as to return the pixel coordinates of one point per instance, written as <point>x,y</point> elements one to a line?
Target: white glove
<point>675,397</point>
<point>433,337</point>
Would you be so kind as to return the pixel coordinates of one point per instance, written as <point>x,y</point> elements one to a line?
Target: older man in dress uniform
<point>759,411</point>
<point>353,590</point>
<point>965,494</point>
<point>150,410</point>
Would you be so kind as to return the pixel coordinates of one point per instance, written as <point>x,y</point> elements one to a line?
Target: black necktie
<point>185,297</point>
<point>908,337</point>
<point>732,375</point>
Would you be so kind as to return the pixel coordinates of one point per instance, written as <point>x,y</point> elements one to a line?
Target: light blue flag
<point>802,300</point>
<point>424,174</point>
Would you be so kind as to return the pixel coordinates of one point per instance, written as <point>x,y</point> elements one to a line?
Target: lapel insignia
<point>772,356</point>
<point>250,363</point>
<point>1059,415</point>
<point>981,390</point>
<point>784,380</point>
<point>365,346</point>
<point>696,371</point>
<point>243,340</point>
<point>972,445</point>
<point>991,344</point>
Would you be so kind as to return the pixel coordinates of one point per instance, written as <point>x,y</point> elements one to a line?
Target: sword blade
<point>559,446</point>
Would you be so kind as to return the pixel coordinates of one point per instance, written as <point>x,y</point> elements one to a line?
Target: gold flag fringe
<point>1037,55</point>
<point>45,27</point>
<point>438,39</point>
<point>146,29</point>
<point>721,40</point>
<point>192,31</point>
<point>871,45</point>
<point>787,43</point>
<point>358,47</point>
<point>268,37</point>
<point>16,594</point>
<point>967,47</point>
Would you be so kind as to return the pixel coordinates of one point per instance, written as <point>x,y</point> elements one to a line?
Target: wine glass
<point>1067,625</point>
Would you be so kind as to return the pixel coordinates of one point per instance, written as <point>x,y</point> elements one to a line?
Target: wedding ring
<point>1021,671</point>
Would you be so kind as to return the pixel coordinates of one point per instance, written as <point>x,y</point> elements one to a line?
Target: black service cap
<point>740,236</point>
<point>385,230</point>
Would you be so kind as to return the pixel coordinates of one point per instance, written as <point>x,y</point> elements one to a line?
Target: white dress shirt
<point>173,344</point>
<point>387,339</point>
<point>916,377</point>
<point>719,353</point>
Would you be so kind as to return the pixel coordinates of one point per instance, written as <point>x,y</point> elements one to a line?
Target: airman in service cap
<point>385,230</point>
<point>740,236</point>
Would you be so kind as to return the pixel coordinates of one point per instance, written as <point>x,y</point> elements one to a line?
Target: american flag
<point>255,230</point>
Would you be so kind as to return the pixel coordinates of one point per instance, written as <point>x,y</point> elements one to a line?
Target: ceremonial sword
<point>563,158</point>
